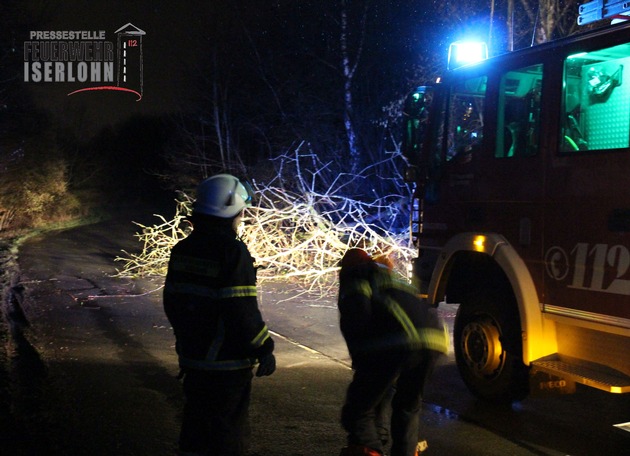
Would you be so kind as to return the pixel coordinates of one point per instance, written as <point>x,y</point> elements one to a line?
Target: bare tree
<point>527,22</point>
<point>349,67</point>
<point>551,19</point>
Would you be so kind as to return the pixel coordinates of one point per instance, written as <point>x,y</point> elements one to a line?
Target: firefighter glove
<point>266,366</point>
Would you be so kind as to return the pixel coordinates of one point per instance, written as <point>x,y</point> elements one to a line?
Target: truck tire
<point>488,347</point>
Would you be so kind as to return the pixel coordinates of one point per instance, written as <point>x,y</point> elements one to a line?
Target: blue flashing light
<point>465,52</point>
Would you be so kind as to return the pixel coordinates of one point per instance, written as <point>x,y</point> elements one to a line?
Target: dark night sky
<point>276,66</point>
<point>172,44</point>
<point>176,45</point>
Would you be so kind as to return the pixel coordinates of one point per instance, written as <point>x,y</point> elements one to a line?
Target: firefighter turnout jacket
<point>210,300</point>
<point>381,314</point>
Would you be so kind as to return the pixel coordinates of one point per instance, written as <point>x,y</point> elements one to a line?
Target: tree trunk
<point>349,69</point>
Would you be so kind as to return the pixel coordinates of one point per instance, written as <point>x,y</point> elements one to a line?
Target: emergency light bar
<point>601,9</point>
<point>463,52</point>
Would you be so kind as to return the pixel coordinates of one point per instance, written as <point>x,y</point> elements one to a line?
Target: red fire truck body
<point>522,213</point>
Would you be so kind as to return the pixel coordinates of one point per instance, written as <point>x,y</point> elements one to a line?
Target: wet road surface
<point>92,371</point>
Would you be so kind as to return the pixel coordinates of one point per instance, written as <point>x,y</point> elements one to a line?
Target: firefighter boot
<point>359,450</point>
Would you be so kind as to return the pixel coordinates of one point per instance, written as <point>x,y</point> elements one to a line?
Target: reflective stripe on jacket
<point>379,312</point>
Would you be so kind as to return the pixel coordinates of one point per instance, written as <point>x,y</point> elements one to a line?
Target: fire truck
<point>521,211</point>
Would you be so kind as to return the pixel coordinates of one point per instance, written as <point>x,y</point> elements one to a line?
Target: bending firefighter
<point>394,339</point>
<point>210,300</point>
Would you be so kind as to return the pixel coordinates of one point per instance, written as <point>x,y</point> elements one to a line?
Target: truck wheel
<point>488,348</point>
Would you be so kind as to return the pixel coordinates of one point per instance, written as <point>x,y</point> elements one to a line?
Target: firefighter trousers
<point>215,417</point>
<point>368,396</point>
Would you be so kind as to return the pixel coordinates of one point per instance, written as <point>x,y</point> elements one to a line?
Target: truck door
<point>587,215</point>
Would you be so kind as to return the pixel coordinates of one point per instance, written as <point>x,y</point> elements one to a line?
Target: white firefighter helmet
<point>223,196</point>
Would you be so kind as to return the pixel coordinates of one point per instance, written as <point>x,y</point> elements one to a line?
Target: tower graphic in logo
<point>129,61</point>
<point>129,45</point>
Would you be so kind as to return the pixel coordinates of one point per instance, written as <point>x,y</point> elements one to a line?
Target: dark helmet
<point>355,257</point>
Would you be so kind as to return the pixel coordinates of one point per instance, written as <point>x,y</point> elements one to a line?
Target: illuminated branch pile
<point>157,241</point>
<point>303,235</point>
<point>293,231</point>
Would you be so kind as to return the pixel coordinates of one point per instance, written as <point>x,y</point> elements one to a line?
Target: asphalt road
<point>91,370</point>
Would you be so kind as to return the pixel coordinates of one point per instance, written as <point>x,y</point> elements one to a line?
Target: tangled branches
<point>295,231</point>
<point>302,233</point>
<point>157,241</point>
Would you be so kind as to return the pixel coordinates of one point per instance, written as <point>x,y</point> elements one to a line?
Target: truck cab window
<point>595,101</point>
<point>465,130</point>
<point>518,122</point>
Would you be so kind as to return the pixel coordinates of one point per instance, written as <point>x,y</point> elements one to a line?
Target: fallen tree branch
<point>295,234</point>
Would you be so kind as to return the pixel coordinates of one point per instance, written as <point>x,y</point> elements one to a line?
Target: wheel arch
<point>491,250</point>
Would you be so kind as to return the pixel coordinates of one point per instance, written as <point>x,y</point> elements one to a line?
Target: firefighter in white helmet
<point>210,300</point>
